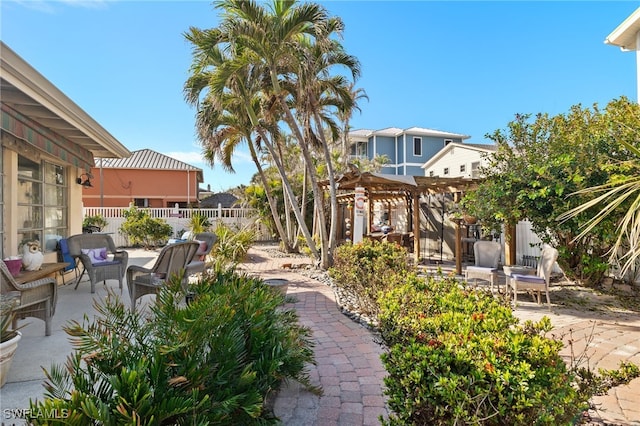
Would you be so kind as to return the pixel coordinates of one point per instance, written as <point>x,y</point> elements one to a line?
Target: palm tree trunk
<point>271,199</point>
<point>314,182</point>
<point>290,194</point>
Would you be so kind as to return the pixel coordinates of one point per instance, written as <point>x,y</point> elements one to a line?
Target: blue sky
<point>463,67</point>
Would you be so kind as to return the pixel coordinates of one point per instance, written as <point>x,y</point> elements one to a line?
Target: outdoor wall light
<point>85,182</point>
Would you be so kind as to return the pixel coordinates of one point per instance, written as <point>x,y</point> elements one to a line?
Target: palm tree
<point>275,42</point>
<point>221,121</point>
<point>318,97</point>
<point>613,195</point>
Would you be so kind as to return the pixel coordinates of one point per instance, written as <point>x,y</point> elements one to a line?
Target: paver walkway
<point>348,367</point>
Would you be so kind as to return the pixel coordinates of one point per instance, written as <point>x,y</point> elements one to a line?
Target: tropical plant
<point>620,189</point>
<point>232,245</point>
<point>276,62</point>
<point>199,223</point>
<point>539,162</point>
<point>212,361</point>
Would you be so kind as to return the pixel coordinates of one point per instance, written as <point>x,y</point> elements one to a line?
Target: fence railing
<point>239,218</point>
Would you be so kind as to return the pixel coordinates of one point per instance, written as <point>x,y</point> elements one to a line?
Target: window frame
<point>49,209</point>
<point>417,148</point>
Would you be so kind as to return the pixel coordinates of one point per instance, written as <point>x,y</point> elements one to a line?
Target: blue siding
<point>414,171</point>
<point>386,146</point>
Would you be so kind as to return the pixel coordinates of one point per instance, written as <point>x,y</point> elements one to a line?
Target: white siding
<point>453,159</point>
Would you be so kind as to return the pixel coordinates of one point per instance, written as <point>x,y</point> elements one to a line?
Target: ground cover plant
<point>213,361</point>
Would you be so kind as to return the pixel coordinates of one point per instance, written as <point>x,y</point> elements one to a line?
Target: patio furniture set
<point>95,255</point>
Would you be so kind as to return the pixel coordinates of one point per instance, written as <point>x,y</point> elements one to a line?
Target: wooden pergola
<point>384,187</point>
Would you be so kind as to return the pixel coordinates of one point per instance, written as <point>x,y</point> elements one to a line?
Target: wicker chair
<point>37,298</point>
<point>539,282</point>
<point>487,258</point>
<point>199,262</point>
<point>112,267</point>
<point>171,261</point>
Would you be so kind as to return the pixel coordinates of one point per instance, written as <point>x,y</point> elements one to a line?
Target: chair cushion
<point>528,278</point>
<point>96,255</point>
<point>481,269</point>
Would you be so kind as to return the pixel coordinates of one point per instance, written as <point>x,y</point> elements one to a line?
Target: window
<point>463,168</point>
<point>417,147</point>
<point>446,171</point>
<point>358,149</point>
<point>42,203</point>
<point>141,202</point>
<point>475,169</point>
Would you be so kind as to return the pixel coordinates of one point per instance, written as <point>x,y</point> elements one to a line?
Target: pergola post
<point>458,222</point>
<point>509,244</point>
<point>416,226</point>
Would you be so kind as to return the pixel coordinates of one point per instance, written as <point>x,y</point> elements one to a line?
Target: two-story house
<point>145,179</point>
<point>459,160</point>
<point>406,149</point>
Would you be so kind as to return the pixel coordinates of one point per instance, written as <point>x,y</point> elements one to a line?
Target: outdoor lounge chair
<point>538,282</point>
<point>171,261</point>
<point>37,298</point>
<point>99,257</point>
<point>206,241</point>
<point>487,258</point>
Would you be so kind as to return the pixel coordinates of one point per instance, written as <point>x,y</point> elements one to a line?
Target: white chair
<point>538,282</point>
<point>487,258</point>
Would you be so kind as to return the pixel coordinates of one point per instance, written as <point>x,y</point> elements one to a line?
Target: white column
<point>358,217</point>
<point>638,66</point>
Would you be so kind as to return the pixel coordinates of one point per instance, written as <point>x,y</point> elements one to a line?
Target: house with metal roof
<point>48,146</point>
<point>406,149</point>
<point>145,179</point>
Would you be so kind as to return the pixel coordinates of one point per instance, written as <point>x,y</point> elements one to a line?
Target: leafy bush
<point>367,268</point>
<point>140,228</point>
<point>232,245</point>
<point>213,361</point>
<point>458,356</point>
<point>96,221</point>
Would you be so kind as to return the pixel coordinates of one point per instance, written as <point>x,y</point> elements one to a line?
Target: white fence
<point>239,218</point>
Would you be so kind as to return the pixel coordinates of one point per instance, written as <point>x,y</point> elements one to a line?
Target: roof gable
<point>482,148</point>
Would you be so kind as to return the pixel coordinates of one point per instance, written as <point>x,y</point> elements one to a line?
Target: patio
<point>348,365</point>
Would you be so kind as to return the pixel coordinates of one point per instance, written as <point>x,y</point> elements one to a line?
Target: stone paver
<point>348,366</point>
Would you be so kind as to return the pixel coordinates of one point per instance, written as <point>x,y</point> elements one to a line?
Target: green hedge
<point>458,356</point>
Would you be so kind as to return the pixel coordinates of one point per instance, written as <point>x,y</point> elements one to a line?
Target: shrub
<point>232,245</point>
<point>199,223</point>
<point>212,361</point>
<point>96,221</point>
<point>367,268</point>
<point>140,228</point>
<point>458,356</point>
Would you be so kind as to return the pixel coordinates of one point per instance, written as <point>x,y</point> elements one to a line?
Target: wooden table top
<point>46,270</point>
